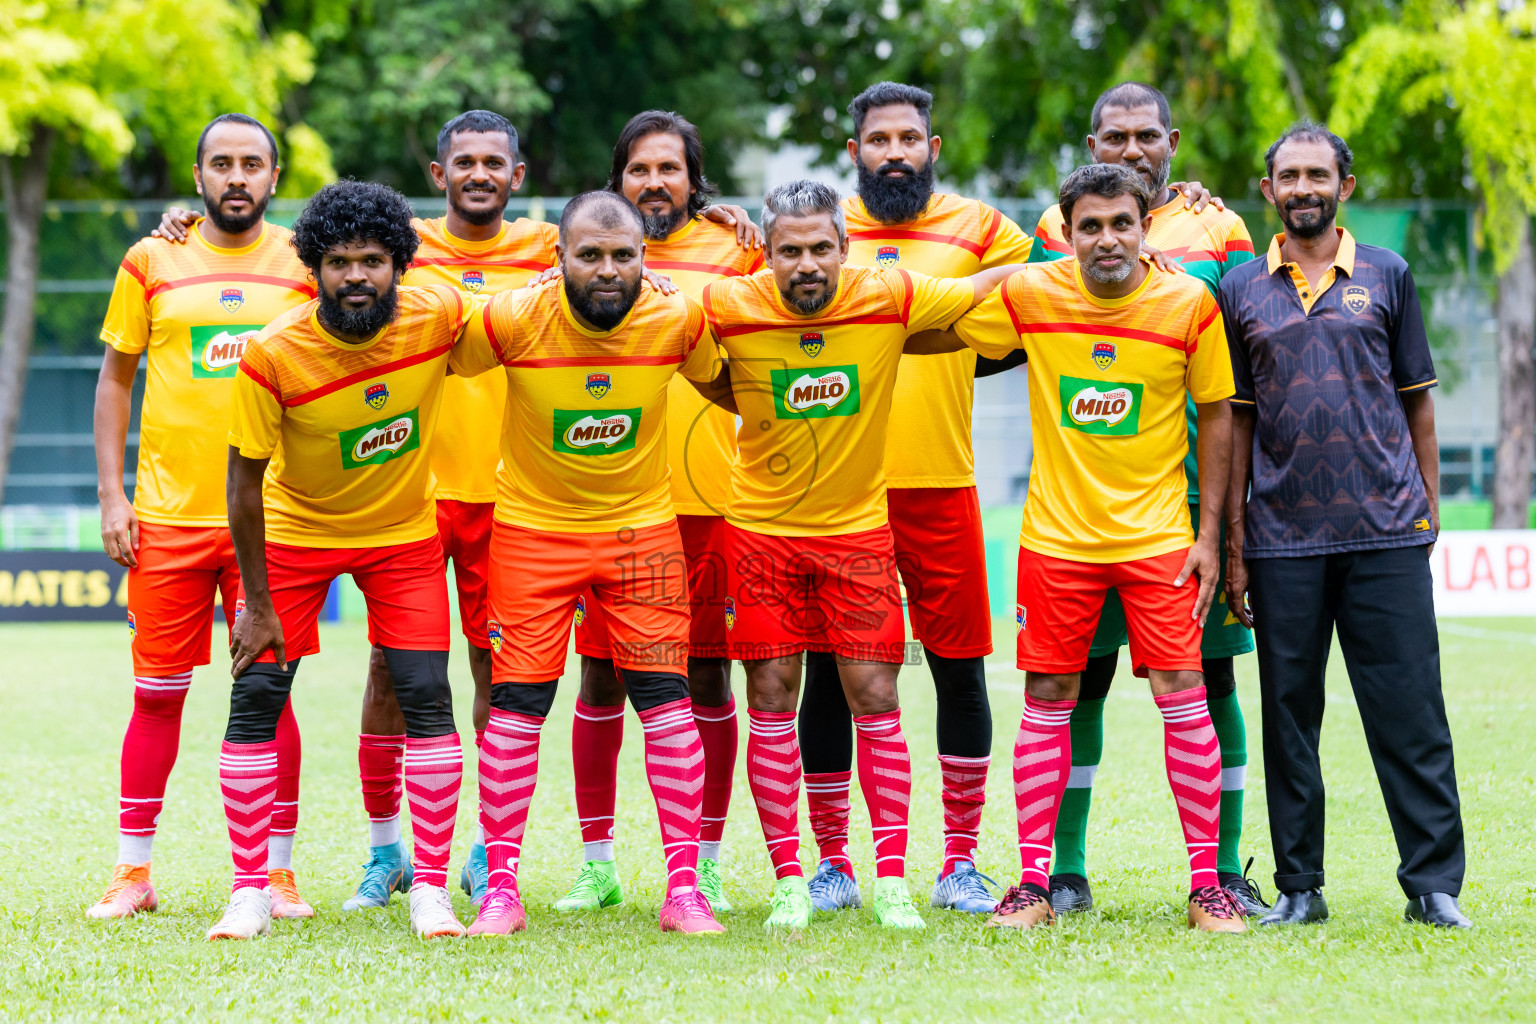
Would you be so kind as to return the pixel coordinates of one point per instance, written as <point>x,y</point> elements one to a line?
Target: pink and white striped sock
<point>674,766</point>
<point>719,734</point>
<point>1042,760</point>
<point>885,776</point>
<point>773,772</point>
<point>826,794</point>
<point>434,771</point>
<point>509,771</point>
<point>1192,755</point>
<point>149,753</point>
<point>597,733</point>
<point>965,793</point>
<point>248,784</point>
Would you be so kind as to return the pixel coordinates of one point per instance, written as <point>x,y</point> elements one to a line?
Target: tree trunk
<point>1516,452</point>
<point>24,181</point>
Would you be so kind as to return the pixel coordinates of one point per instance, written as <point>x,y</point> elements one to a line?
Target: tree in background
<point>88,80</point>
<point>1473,63</point>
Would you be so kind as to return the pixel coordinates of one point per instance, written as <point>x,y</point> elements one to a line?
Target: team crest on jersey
<point>581,609</point>
<point>598,384</point>
<point>1019,617</point>
<point>376,395</point>
<point>493,634</point>
<point>887,256</point>
<point>730,613</point>
<point>231,299</point>
<point>473,280</point>
<point>1104,354</point>
<point>133,628</point>
<point>239,606</point>
<point>1356,299</point>
<point>811,343</point>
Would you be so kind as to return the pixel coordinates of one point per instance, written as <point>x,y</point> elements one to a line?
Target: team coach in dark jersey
<point>1334,426</point>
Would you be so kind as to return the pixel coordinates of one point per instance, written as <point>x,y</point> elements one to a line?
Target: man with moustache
<point>1334,430</point>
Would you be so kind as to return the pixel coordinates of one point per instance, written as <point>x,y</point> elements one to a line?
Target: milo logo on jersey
<point>379,442</point>
<point>816,394</point>
<point>216,349</point>
<point>595,431</point>
<point>1100,407</point>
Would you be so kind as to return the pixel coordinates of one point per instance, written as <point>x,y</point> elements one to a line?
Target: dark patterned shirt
<point>1324,367</point>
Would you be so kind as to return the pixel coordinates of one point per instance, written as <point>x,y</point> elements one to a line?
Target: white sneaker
<point>248,915</point>
<point>432,914</point>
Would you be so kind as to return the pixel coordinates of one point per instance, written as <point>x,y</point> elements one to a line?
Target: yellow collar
<point>1344,259</point>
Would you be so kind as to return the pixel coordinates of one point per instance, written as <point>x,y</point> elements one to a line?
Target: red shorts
<point>181,570</point>
<point>637,577</point>
<point>833,594</point>
<point>704,552</point>
<point>942,558</point>
<point>464,527</point>
<point>402,583</point>
<point>1060,601</point>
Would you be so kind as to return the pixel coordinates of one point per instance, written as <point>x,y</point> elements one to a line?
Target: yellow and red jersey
<point>929,443</point>
<point>587,410</point>
<point>193,308</point>
<point>1108,383</point>
<point>815,393</point>
<point>347,426</point>
<point>701,436</point>
<point>467,445</point>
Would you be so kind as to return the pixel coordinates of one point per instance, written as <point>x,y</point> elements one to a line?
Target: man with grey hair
<point>810,561</point>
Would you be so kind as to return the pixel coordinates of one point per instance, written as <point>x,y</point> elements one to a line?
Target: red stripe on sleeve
<point>1239,245</point>
<point>134,272</point>
<point>490,334</point>
<point>992,230</point>
<point>249,371</point>
<point>906,303</point>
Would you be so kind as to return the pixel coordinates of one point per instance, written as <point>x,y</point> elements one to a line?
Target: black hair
<point>355,211</point>
<point>1107,180</point>
<point>476,121</point>
<point>609,209</point>
<point>891,94</point>
<point>1311,131</point>
<point>1129,96</point>
<point>245,119</point>
<point>665,122</point>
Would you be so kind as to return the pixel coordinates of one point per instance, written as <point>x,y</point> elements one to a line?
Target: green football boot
<point>713,886</point>
<point>791,906</point>
<point>893,905</point>
<point>597,886</point>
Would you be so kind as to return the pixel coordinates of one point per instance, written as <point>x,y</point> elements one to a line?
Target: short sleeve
<point>485,336</point>
<point>1050,240</point>
<point>256,411</point>
<point>935,301</point>
<point>1227,300</point>
<point>126,327</point>
<point>1239,245</point>
<point>701,361</point>
<point>1208,372</point>
<point>990,328</point>
<point>1412,366</point>
<point>1009,243</point>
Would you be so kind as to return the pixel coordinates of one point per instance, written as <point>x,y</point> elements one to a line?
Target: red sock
<point>674,766</point>
<point>509,771</point>
<point>378,764</point>
<point>149,750</point>
<point>248,783</point>
<point>773,771</point>
<point>885,776</point>
<point>1193,758</point>
<point>479,738</point>
<point>718,732</point>
<point>826,793</point>
<point>597,733</point>
<point>434,770</point>
<point>965,792</point>
<point>1042,760</point>
<point>290,756</point>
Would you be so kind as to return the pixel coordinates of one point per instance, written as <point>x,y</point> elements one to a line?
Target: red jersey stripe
<point>976,248</point>
<point>135,272</point>
<point>548,362</point>
<point>302,287</point>
<point>717,269</point>
<point>874,318</point>
<point>475,261</point>
<point>376,371</point>
<point>1110,330</point>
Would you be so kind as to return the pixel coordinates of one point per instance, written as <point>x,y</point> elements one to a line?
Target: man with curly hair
<point>335,406</point>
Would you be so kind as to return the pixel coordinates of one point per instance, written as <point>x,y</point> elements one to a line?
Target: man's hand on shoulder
<point>748,235</point>
<point>1196,196</point>
<point>175,223</point>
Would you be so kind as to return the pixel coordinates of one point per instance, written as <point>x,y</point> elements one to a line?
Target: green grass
<point>66,695</point>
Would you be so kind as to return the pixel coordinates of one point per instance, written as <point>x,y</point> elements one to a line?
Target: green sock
<point>1227,717</point>
<point>1072,819</point>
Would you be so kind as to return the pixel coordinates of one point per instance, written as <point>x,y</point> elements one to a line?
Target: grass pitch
<point>66,691</point>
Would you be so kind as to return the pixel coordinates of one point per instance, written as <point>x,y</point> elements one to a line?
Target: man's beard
<point>896,200</point>
<point>236,225</point>
<point>658,226</point>
<point>1093,270</point>
<point>1158,173</point>
<point>1328,208</point>
<point>808,306</point>
<point>358,323</point>
<point>480,217</point>
<point>605,315</point>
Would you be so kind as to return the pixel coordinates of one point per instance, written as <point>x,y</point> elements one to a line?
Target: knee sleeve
<point>421,687</point>
<point>256,702</point>
<point>1097,675</point>
<point>1220,677</point>
<point>826,723</point>
<point>653,689</point>
<point>965,715</point>
<point>533,699</point>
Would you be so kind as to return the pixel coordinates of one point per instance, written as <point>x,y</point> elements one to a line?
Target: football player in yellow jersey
<point>334,411</point>
<point>192,309</point>
<point>658,164</point>
<point>1116,348</point>
<point>1132,126</point>
<point>584,505</point>
<point>814,347</point>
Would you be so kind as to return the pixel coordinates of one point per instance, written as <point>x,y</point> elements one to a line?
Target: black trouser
<point>1381,604</point>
